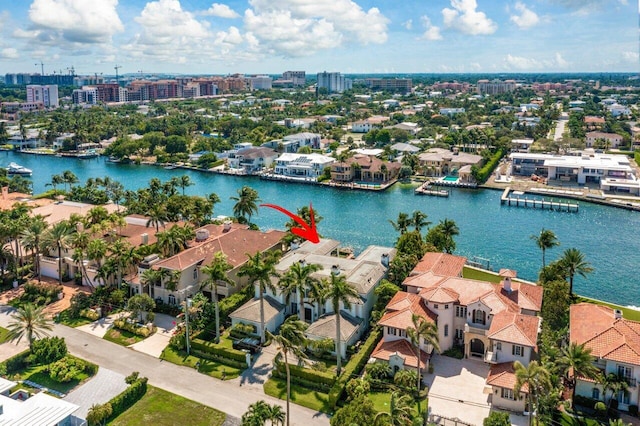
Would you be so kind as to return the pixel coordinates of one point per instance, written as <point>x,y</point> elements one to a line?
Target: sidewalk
<point>100,327</point>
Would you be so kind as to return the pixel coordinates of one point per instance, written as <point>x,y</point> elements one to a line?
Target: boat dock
<point>428,189</point>
<point>518,201</point>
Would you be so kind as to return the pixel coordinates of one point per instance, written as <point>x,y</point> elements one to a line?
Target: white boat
<point>16,169</point>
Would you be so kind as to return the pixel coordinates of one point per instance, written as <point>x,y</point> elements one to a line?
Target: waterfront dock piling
<point>428,189</point>
<point>537,203</point>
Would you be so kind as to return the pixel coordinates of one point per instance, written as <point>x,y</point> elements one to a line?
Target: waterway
<point>609,237</point>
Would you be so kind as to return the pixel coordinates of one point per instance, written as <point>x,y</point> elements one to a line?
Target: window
<point>517,350</point>
<point>446,330</point>
<point>623,397</point>
<point>459,333</point>
<point>435,305</point>
<point>446,306</point>
<point>595,393</point>
<point>498,346</point>
<point>508,394</point>
<point>391,331</point>
<point>172,299</point>
<point>479,317</point>
<point>624,371</point>
<point>195,274</point>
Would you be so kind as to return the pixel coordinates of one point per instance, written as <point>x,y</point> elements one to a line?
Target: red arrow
<point>308,231</point>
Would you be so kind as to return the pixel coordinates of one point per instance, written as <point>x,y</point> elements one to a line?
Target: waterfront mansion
<point>493,323</point>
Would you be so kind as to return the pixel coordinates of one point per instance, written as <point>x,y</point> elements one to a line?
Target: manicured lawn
<point>381,401</point>
<point>37,374</point>
<point>65,318</point>
<point>480,275</point>
<point>299,395</point>
<point>3,334</point>
<point>210,368</point>
<point>161,408</point>
<point>122,337</point>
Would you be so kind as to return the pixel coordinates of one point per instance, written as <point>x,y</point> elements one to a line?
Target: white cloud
<point>408,24</point>
<point>301,27</point>
<point>431,32</point>
<point>232,36</point>
<point>9,53</point>
<point>221,11</point>
<point>465,18</point>
<point>527,17</point>
<point>522,63</point>
<point>631,56</point>
<point>77,21</point>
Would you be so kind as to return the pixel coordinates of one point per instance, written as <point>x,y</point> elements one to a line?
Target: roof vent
<point>202,235</point>
<point>295,244</point>
<point>227,226</point>
<point>617,314</point>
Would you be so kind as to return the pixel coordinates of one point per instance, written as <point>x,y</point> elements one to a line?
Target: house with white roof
<point>252,160</point>
<point>302,165</point>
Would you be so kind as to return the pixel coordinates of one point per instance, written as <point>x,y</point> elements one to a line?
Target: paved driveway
<point>456,389</point>
<point>101,388</point>
<point>155,344</point>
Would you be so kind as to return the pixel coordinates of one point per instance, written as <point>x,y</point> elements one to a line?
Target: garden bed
<point>122,337</point>
<point>208,367</point>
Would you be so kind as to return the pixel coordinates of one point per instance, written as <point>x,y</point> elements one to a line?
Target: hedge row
<point>89,314</point>
<point>483,174</point>
<point>211,348</point>
<point>132,328</point>
<point>240,331</point>
<point>233,302</point>
<point>319,379</point>
<point>354,367</point>
<point>124,400</point>
<point>221,359</point>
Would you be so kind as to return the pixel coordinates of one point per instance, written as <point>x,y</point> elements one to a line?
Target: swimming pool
<point>450,178</point>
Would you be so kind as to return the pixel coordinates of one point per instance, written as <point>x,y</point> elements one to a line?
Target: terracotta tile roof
<point>503,375</point>
<point>611,338</point>
<point>384,350</point>
<point>444,264</point>
<point>439,295</point>
<point>510,273</point>
<point>515,328</point>
<point>400,309</point>
<point>424,280</point>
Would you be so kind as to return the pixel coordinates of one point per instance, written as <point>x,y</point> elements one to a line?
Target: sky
<point>349,36</point>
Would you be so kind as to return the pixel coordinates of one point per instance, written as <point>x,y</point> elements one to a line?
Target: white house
<point>252,160</point>
<point>302,165</point>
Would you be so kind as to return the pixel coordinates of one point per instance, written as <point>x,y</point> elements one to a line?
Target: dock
<point>428,189</point>
<point>542,204</point>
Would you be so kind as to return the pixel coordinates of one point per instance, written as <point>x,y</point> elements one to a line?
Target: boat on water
<point>83,155</point>
<point>16,169</point>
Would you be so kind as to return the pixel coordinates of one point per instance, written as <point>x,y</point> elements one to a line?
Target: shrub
<point>320,380</point>
<point>99,413</point>
<point>220,359</point>
<point>240,330</point>
<point>121,402</point>
<point>600,408</point>
<point>455,352</point>
<point>481,174</point>
<point>79,301</point>
<point>132,328</point>
<point>89,314</point>
<point>213,349</point>
<point>356,388</point>
<point>41,293</point>
<point>66,369</point>
<point>379,371</point>
<point>406,379</point>
<point>584,401</point>
<point>132,378</point>
<point>17,362</point>
<point>172,310</point>
<point>497,418</point>
<point>633,410</point>
<point>233,302</point>
<point>48,350</point>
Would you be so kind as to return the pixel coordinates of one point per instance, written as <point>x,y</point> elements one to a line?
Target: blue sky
<point>351,36</point>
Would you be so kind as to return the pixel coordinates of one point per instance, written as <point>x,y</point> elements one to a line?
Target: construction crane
<point>72,70</point>
<point>117,67</point>
<point>41,67</point>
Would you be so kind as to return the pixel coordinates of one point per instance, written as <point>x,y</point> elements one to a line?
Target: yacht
<point>16,169</point>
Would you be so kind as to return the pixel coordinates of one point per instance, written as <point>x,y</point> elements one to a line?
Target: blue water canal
<point>609,237</point>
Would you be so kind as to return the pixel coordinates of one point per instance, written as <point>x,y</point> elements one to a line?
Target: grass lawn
<point>381,401</point>
<point>480,275</point>
<point>122,337</point>
<point>299,395</point>
<point>210,368</point>
<point>3,334</point>
<point>65,318</point>
<point>37,374</point>
<point>161,408</point>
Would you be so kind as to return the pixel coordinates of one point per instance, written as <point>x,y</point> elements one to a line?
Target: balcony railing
<point>631,381</point>
<point>475,330</point>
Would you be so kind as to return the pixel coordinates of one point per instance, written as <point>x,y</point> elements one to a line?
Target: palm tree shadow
<point>255,375</point>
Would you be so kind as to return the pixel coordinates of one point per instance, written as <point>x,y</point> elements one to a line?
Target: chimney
<point>302,263</point>
<point>227,226</point>
<point>145,238</point>
<point>295,244</point>
<point>384,259</point>
<point>617,314</point>
<point>335,270</point>
<point>506,283</point>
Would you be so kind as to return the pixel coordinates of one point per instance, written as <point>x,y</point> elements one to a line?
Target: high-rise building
<point>495,87</point>
<point>260,82</point>
<point>334,82</point>
<point>47,94</point>
<point>298,78</point>
<point>389,84</point>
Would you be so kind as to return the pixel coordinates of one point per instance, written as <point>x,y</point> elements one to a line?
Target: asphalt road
<point>230,398</point>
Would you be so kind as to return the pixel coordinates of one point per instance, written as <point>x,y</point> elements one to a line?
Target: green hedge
<point>213,349</point>
<point>15,363</point>
<point>637,157</point>
<point>483,174</point>
<point>318,380</point>
<point>354,367</point>
<point>233,302</point>
<point>124,400</point>
<point>220,359</point>
<point>241,330</point>
<point>133,328</point>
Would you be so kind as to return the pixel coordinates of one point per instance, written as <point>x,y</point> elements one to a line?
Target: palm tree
<point>577,361</point>
<point>217,272</point>
<point>573,262</point>
<point>545,240</point>
<point>259,269</point>
<point>427,331</point>
<point>402,224</point>
<point>277,415</point>
<point>246,204</point>
<point>339,291</point>
<point>151,277</point>
<point>537,380</point>
<point>31,237</point>
<point>399,413</point>
<point>157,215</point>
<point>30,322</point>
<point>256,415</point>
<point>299,279</point>
<point>124,256</point>
<point>184,181</point>
<point>97,250</point>
<point>419,220</point>
<point>68,177</point>
<point>58,237</point>
<point>290,340</point>
<point>614,383</point>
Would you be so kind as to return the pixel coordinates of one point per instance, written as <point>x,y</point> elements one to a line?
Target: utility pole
<point>41,67</point>
<point>117,67</point>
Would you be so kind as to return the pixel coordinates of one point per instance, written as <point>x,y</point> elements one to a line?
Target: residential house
<point>364,168</point>
<point>292,143</point>
<point>521,145</point>
<point>593,122</point>
<point>405,148</point>
<point>364,273</point>
<point>368,124</point>
<point>411,128</point>
<point>306,166</point>
<point>615,347</point>
<point>605,140</point>
<point>440,162</point>
<point>251,160</point>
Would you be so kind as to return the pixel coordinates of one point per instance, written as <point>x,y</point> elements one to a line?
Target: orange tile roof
<point>611,338</point>
<point>510,273</point>
<point>444,264</point>
<point>439,295</point>
<point>400,309</point>
<point>503,375</point>
<point>423,280</point>
<point>384,350</point>
<point>515,328</point>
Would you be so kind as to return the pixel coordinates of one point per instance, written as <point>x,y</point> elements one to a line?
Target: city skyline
<point>363,36</point>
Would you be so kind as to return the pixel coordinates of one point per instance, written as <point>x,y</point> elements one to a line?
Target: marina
<point>520,200</point>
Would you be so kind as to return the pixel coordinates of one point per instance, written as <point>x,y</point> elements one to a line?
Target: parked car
<point>248,343</point>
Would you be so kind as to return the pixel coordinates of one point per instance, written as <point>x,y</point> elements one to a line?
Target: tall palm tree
<point>69,178</point>
<point>402,224</point>
<point>573,262</point>
<point>545,240</point>
<point>259,269</point>
<point>428,332</point>
<point>614,383</point>
<point>31,238</point>
<point>256,415</point>
<point>399,413</point>
<point>419,220</point>
<point>277,415</point>
<point>217,272</point>
<point>184,181</point>
<point>29,322</point>
<point>577,361</point>
<point>536,378</point>
<point>339,291</point>
<point>151,277</point>
<point>97,250</point>
<point>157,215</point>
<point>58,238</point>
<point>246,203</point>
<point>290,340</point>
<point>298,279</point>
<point>124,256</point>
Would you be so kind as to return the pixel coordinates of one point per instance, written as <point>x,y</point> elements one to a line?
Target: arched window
<point>172,299</point>
<point>595,393</point>
<point>479,317</point>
